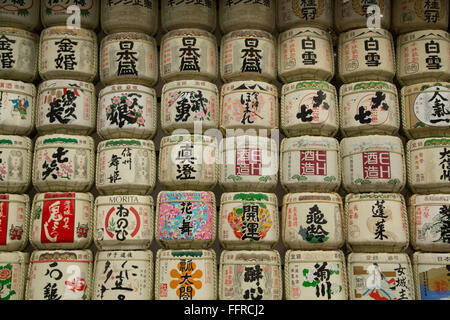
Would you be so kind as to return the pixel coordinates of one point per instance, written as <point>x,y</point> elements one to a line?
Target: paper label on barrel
<point>18,54</point>
<point>13,163</point>
<point>15,108</point>
<point>432,224</point>
<point>432,106</point>
<point>58,218</point>
<point>433,280</point>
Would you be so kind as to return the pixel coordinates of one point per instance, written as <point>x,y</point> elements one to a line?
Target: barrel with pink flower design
<point>127,111</point>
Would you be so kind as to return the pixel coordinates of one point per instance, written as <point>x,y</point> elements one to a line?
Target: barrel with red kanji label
<point>369,107</point>
<point>309,264</point>
<point>431,275</point>
<point>172,267</point>
<point>136,265</point>
<point>22,14</point>
<point>248,54</point>
<point>189,105</point>
<point>123,222</point>
<point>67,53</point>
<point>376,222</point>
<point>62,220</point>
<point>418,15</point>
<point>64,163</point>
<point>373,163</point>
<point>249,106</point>
<point>126,166</point>
<point>66,106</point>
<point>426,110</point>
<point>188,162</point>
<point>423,56</point>
<point>310,162</point>
<point>128,57</point>
<point>366,54</point>
<point>428,220</point>
<point>59,275</point>
<point>248,163</point>
<point>250,275</point>
<point>14,221</point>
<point>313,221</point>
<point>13,273</point>
<point>18,101</point>
<point>309,108</point>
<point>248,220</point>
<point>16,156</point>
<point>189,54</point>
<point>353,14</point>
<point>130,16</point>
<point>19,50</point>
<point>237,15</point>
<point>62,13</point>
<point>380,276</point>
<point>294,13</point>
<point>201,14</point>
<point>127,111</point>
<point>186,219</point>
<point>305,53</point>
<point>428,162</point>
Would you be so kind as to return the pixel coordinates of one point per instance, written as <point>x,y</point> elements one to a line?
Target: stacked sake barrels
<point>423,72</point>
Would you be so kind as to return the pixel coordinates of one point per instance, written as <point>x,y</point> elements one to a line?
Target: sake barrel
<point>63,163</point>
<point>235,282</point>
<point>301,269</point>
<point>431,275</point>
<point>373,164</point>
<point>189,54</point>
<point>126,16</point>
<point>188,14</point>
<point>186,219</point>
<point>376,222</point>
<point>127,111</point>
<point>309,108</point>
<point>428,162</point>
<point>65,13</point>
<point>14,221</point>
<point>310,162</point>
<point>294,13</point>
<point>366,54</point>
<point>14,267</point>
<point>249,106</point>
<point>19,54</point>
<point>173,266</point>
<point>188,162</point>
<point>313,221</point>
<point>248,162</point>
<point>238,15</point>
<point>248,54</point>
<point>428,220</point>
<point>380,276</point>
<point>355,14</point>
<point>305,53</point>
<point>20,14</point>
<point>18,101</point>
<point>66,106</point>
<point>16,156</point>
<point>418,15</point>
<point>126,166</point>
<point>134,269</point>
<point>123,222</point>
<point>189,105</point>
<point>369,107</point>
<point>67,53</point>
<point>59,275</point>
<point>423,56</point>
<point>426,109</point>
<point>248,220</point>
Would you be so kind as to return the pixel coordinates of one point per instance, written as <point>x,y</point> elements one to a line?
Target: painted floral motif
<point>189,103</point>
<point>125,110</point>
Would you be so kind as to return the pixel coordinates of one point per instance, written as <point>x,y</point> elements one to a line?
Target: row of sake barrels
<point>303,54</point>
<point>364,222</point>
<point>241,275</point>
<point>142,16</point>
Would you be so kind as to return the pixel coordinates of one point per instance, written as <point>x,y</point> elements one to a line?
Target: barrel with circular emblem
<point>14,219</point>
<point>201,14</point>
<point>294,13</point>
